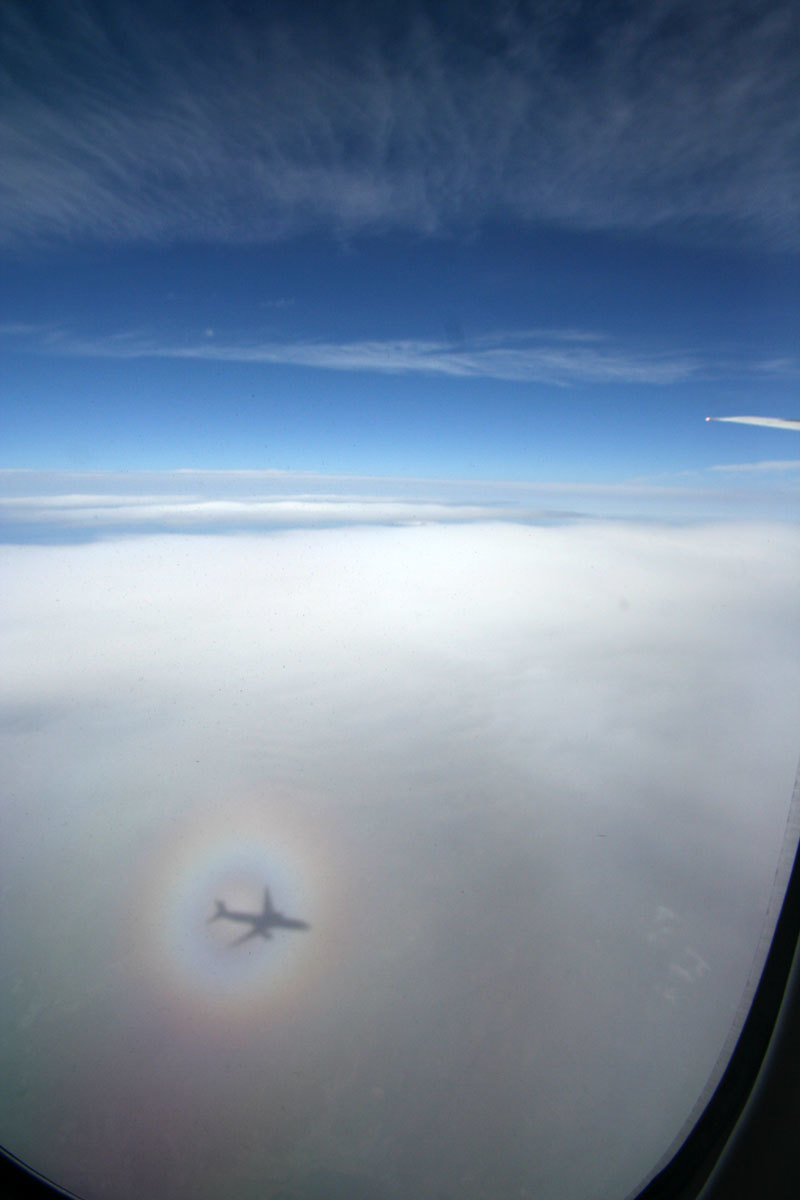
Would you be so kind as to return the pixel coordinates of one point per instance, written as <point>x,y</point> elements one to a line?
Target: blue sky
<point>539,244</point>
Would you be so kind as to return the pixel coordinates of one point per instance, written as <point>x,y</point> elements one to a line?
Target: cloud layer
<point>122,123</point>
<point>528,785</point>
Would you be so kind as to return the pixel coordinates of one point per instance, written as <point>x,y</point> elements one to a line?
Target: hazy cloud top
<point>121,123</point>
<point>528,786</point>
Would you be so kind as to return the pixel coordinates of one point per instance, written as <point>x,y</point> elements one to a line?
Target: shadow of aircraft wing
<point>251,933</point>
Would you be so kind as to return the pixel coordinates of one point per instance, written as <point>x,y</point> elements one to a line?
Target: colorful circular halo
<point>231,852</point>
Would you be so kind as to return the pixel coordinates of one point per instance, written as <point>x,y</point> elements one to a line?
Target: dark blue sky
<point>537,243</point>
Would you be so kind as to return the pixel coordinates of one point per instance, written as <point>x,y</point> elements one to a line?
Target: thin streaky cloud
<point>778,465</point>
<point>37,486</point>
<point>29,329</point>
<point>115,512</point>
<point>251,130</point>
<point>783,365</point>
<point>571,358</point>
<point>124,511</point>
<point>510,336</point>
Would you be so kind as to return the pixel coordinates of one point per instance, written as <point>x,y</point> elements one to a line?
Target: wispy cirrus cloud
<point>119,125</point>
<point>558,357</point>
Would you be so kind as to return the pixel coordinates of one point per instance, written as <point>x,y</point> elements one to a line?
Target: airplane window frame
<point>758,1076</point>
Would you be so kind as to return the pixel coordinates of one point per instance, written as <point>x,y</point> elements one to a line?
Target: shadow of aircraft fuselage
<point>260,923</point>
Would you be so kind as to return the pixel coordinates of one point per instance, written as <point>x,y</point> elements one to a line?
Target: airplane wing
<point>772,422</point>
<point>268,909</point>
